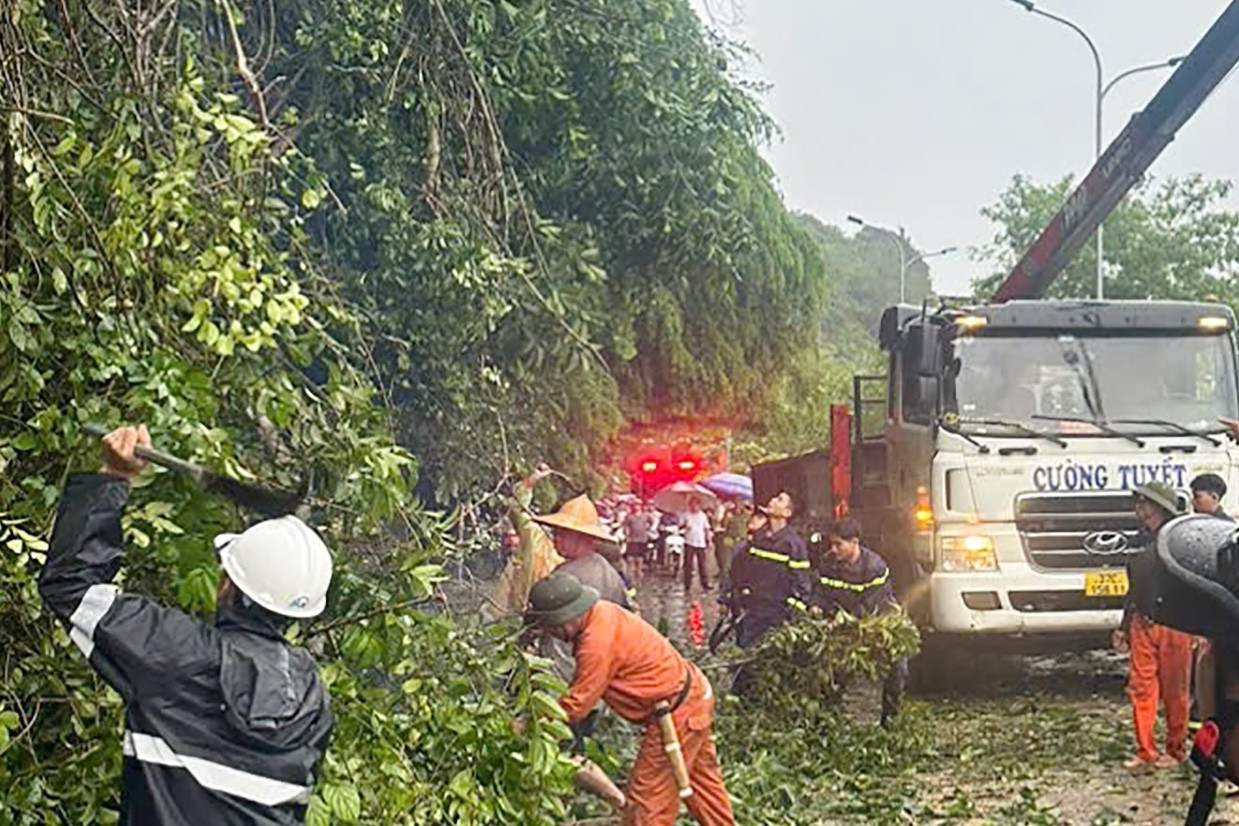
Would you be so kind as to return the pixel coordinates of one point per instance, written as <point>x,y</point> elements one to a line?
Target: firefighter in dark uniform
<point>854,579</point>
<point>770,577</point>
<point>225,722</point>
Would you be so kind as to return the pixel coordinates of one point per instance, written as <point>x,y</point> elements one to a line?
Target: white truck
<point>993,464</point>
<point>996,474</point>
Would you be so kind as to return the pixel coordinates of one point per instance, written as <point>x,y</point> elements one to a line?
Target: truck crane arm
<point>1126,160</point>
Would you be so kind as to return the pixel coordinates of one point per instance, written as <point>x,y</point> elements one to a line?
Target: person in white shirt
<point>697,538</point>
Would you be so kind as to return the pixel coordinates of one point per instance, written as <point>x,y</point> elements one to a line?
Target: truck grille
<point>1053,526</point>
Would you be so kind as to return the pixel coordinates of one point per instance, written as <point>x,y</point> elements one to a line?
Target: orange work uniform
<point>622,660</point>
<point>1160,666</point>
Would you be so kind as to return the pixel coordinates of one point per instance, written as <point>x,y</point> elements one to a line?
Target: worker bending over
<point>224,723</point>
<point>854,579</point>
<point>624,661</point>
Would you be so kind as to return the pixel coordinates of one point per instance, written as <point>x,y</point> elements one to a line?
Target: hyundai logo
<point>1105,543</point>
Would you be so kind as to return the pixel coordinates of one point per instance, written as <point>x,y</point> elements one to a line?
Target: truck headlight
<point>967,554</point>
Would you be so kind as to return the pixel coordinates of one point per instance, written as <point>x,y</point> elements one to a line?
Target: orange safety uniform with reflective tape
<point>1160,668</point>
<point>624,661</point>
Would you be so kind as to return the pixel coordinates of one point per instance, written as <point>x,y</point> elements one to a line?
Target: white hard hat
<point>281,564</point>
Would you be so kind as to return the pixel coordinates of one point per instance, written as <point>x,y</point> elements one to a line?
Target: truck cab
<point>993,464</point>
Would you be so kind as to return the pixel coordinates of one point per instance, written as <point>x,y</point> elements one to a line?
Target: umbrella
<point>674,498</point>
<point>731,485</point>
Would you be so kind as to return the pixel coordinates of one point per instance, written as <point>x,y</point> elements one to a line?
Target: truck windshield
<point>1187,380</point>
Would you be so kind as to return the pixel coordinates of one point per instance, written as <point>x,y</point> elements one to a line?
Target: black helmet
<point>1193,578</point>
<point>557,599</point>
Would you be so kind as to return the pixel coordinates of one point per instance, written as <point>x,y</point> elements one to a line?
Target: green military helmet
<point>1160,494</point>
<point>557,599</point>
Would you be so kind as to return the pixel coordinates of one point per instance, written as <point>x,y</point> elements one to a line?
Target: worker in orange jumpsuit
<point>624,661</point>
<point>1160,657</point>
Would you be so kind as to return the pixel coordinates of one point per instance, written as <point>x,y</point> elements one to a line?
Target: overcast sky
<point>916,113</point>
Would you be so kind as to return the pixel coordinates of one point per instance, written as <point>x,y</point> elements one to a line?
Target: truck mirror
<point>931,350</point>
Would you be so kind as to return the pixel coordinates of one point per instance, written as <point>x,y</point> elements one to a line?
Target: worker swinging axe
<point>264,501</point>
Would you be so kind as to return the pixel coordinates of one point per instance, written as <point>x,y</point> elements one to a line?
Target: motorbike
<point>673,544</point>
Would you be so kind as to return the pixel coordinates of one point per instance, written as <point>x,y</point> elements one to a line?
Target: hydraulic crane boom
<point>1126,160</point>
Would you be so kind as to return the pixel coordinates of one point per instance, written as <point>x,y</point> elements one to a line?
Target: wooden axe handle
<point>150,454</point>
<point>262,500</point>
<point>671,745</point>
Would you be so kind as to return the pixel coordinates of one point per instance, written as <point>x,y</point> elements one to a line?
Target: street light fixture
<point>923,255</point>
<point>905,263</point>
<point>1150,67</point>
<point>1102,89</point>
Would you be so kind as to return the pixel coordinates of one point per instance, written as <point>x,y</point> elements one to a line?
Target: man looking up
<point>224,722</point>
<point>770,578</point>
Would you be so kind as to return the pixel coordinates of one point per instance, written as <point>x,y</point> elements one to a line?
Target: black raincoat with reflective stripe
<point>224,723</point>
<point>861,588</point>
<point>770,576</point>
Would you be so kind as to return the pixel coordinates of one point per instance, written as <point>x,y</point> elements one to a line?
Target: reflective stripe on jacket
<point>224,723</point>
<point>771,574</point>
<point>863,587</point>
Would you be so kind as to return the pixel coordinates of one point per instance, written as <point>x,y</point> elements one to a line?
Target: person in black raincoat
<point>855,580</point>
<point>224,723</point>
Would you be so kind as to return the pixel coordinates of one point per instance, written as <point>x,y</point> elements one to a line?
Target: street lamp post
<point>905,263</point>
<point>1102,89</point>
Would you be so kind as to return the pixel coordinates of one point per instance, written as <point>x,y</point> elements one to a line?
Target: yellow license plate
<point>1105,584</point>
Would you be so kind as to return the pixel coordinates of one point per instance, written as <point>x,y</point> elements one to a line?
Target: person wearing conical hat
<point>578,533</point>
<point>1160,658</point>
<point>622,660</point>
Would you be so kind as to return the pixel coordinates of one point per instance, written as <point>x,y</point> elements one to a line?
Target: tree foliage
<point>551,207</point>
<point>809,664</point>
<point>862,280</point>
<point>1169,239</point>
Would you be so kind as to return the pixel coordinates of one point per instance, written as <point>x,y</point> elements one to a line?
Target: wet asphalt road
<point>665,604</point>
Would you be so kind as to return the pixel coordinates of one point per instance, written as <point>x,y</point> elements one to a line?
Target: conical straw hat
<point>578,515</point>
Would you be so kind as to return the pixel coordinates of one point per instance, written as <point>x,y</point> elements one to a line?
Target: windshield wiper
<point>981,446</point>
<point>1085,376</point>
<point>1102,426</point>
<point>1186,431</point>
<point>1020,426</point>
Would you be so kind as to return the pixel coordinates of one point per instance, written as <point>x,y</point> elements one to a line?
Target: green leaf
<point>461,784</point>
